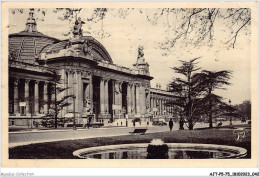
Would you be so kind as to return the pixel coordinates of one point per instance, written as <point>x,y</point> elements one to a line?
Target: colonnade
<point>135,97</point>
<point>28,96</point>
<point>38,94</point>
<point>161,106</point>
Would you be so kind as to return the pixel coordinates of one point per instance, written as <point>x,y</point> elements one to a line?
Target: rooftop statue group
<point>77,31</point>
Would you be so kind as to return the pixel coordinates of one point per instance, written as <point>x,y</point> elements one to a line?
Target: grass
<point>64,149</point>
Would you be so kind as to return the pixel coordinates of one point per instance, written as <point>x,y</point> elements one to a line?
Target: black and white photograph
<point>130,82</point>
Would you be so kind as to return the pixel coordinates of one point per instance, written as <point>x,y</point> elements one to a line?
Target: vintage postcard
<point>129,84</point>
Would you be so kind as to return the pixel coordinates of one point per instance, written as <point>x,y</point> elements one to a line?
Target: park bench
<point>138,132</point>
<point>94,125</point>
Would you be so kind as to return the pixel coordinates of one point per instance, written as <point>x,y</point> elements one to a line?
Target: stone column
<point>102,104</point>
<point>116,94</point>
<point>91,91</point>
<point>146,101</point>
<point>78,91</point>
<point>167,108</point>
<point>137,94</point>
<point>120,94</point>
<point>45,97</point>
<point>149,98</point>
<point>87,91</point>
<point>36,98</point>
<point>64,84</point>
<point>141,98</point>
<point>133,110</point>
<point>106,95</point>
<point>170,107</point>
<point>70,89</point>
<point>53,92</point>
<point>159,103</point>
<point>129,99</point>
<point>26,96</point>
<point>161,106</point>
<point>16,98</point>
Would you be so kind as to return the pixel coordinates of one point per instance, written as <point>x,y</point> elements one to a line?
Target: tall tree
<point>59,102</point>
<point>244,109</point>
<point>188,90</point>
<point>212,81</point>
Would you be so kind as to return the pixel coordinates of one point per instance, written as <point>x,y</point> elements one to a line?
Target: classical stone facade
<point>86,72</point>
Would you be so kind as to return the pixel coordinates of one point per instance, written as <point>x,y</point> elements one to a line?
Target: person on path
<point>170,124</point>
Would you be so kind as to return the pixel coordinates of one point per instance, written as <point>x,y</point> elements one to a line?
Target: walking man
<point>170,124</point>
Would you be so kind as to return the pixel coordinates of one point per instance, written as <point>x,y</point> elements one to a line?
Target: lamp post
<point>230,123</point>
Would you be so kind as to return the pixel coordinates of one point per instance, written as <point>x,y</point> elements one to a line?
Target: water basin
<point>176,151</point>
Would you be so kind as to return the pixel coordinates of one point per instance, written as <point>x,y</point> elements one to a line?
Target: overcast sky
<point>124,35</point>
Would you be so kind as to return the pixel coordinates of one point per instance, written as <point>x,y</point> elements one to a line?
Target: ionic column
<point>16,99</point>
<point>78,91</point>
<point>71,89</point>
<point>160,108</point>
<point>133,110</point>
<point>167,107</point>
<point>26,95</point>
<point>129,98</point>
<point>36,97</point>
<point>120,94</point>
<point>53,92</point>
<point>163,107</point>
<point>91,91</point>
<point>148,100</point>
<point>45,97</point>
<point>141,99</point>
<point>151,100</point>
<point>137,94</point>
<point>102,104</point>
<point>106,95</point>
<point>171,109</point>
<point>86,91</point>
<point>156,105</point>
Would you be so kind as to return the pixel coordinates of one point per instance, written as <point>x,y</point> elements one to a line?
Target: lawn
<point>64,149</point>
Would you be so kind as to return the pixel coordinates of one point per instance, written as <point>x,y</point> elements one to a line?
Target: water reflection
<point>141,153</point>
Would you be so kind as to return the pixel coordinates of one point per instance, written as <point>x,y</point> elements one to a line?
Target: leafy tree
<point>212,81</point>
<point>229,110</point>
<point>188,26</point>
<point>59,102</point>
<point>244,109</point>
<point>188,90</point>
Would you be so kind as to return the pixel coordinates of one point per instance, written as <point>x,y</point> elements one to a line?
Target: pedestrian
<point>121,124</point>
<point>117,123</point>
<point>170,124</point>
<point>134,123</point>
<point>181,124</point>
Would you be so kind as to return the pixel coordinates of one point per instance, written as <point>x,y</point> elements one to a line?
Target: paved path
<point>23,138</point>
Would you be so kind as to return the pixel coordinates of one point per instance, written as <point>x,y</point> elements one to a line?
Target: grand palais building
<point>83,70</point>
